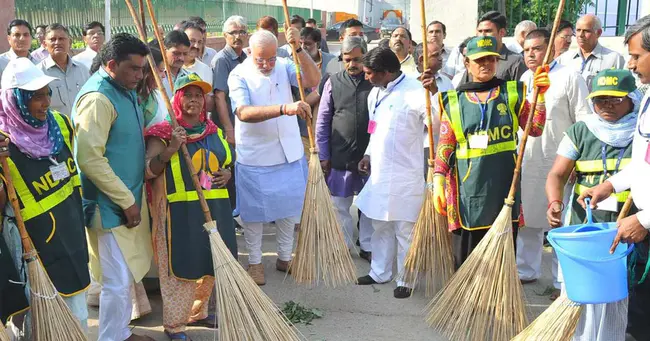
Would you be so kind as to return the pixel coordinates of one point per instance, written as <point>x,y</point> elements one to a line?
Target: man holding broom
<point>111,157</point>
<point>271,171</point>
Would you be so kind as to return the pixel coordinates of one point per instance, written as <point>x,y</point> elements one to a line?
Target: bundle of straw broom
<point>485,299</point>
<point>52,320</point>
<point>430,255</point>
<point>321,252</point>
<point>245,312</point>
<point>560,320</point>
<point>3,333</point>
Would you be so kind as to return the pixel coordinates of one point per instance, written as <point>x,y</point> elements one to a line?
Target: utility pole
<point>363,17</point>
<point>311,9</point>
<point>107,19</point>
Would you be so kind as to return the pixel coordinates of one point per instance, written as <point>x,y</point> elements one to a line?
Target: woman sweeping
<point>181,243</point>
<point>47,183</point>
<point>477,147</point>
<point>596,149</point>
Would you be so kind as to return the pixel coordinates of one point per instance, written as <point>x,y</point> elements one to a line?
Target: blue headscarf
<point>53,130</point>
<point>617,134</point>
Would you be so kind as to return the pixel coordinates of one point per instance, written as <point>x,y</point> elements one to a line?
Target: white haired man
<point>591,57</point>
<point>521,31</point>
<point>271,171</point>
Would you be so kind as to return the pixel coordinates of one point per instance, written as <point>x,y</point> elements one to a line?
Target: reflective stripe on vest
<point>183,195</point>
<point>31,207</point>
<point>596,166</point>
<point>462,150</point>
<point>620,197</point>
<point>62,122</point>
<point>226,147</point>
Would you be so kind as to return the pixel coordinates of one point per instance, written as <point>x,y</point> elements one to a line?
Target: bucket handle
<point>574,256</point>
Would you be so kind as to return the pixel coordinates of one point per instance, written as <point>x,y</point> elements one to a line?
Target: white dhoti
<point>388,235</point>
<point>253,233</point>
<point>342,206</point>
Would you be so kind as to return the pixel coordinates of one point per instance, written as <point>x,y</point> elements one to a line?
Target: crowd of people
<point>104,190</point>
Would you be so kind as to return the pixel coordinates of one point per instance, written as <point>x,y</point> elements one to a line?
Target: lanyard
<point>603,153</point>
<point>483,106</point>
<point>378,101</point>
<point>584,63</point>
<point>529,87</point>
<point>641,115</point>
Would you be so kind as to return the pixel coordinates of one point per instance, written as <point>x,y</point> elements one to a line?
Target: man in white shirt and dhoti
<point>565,105</point>
<point>393,194</point>
<point>271,171</point>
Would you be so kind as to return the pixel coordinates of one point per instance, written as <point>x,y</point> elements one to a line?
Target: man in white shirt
<point>41,52</point>
<point>565,105</point>
<point>177,46</point>
<point>192,63</point>
<point>563,38</point>
<point>271,171</point>
<point>19,35</point>
<point>393,195</point>
<point>521,31</point>
<point>437,32</point>
<point>207,53</point>
<point>591,57</point>
<point>94,37</point>
<point>400,43</point>
<point>634,228</point>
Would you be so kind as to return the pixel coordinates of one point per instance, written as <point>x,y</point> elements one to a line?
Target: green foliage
<point>296,313</point>
<point>542,12</point>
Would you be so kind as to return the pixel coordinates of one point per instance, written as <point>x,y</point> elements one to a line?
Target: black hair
<point>407,32</point>
<point>192,25</point>
<point>463,45</point>
<point>563,25</point>
<point>143,88</point>
<point>199,21</point>
<point>384,43</point>
<point>176,38</point>
<point>121,47</point>
<point>93,24</point>
<point>640,26</point>
<point>18,22</point>
<point>381,59</point>
<point>296,19</point>
<point>494,17</point>
<point>96,64</point>
<point>312,33</point>
<point>436,22</point>
<point>540,33</point>
<point>40,26</point>
<point>312,21</point>
<point>57,27</point>
<point>349,23</point>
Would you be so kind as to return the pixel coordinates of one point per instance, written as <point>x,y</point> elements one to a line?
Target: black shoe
<point>402,292</point>
<point>366,280</point>
<point>365,255</point>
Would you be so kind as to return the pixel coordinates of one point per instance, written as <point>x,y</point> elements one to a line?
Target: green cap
<point>479,47</point>
<point>612,82</point>
<point>192,79</point>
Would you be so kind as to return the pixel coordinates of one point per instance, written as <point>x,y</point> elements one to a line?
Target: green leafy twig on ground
<point>297,313</point>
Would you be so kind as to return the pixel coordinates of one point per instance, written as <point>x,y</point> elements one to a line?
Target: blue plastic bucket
<point>591,274</point>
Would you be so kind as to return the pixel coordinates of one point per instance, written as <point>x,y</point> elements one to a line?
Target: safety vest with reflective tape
<point>53,214</point>
<point>589,171</point>
<point>484,175</point>
<point>189,245</point>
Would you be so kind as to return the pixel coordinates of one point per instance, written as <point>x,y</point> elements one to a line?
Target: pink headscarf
<point>32,141</point>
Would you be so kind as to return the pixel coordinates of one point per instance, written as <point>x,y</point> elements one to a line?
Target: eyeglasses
<point>608,101</point>
<point>261,61</point>
<point>238,32</point>
<point>567,37</point>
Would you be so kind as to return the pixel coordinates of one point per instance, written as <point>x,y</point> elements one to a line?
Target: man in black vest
<point>342,137</point>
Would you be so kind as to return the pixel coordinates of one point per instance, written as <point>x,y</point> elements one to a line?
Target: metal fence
<point>75,13</point>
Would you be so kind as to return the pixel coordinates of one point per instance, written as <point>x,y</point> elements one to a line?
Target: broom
<point>52,320</point>
<point>3,333</point>
<point>246,313</point>
<point>430,254</point>
<point>560,320</point>
<point>488,278</point>
<point>321,252</point>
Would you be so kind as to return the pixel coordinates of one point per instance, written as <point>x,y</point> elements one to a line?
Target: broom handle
<point>28,248</point>
<point>296,61</point>
<point>154,72</point>
<point>522,145</point>
<point>142,19</point>
<point>626,208</point>
<point>427,93</point>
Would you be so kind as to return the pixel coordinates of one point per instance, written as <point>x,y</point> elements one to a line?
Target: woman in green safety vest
<point>47,183</point>
<point>181,243</point>
<point>597,148</point>
<point>478,145</point>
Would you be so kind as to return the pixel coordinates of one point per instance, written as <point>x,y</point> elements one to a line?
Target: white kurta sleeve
<point>577,93</point>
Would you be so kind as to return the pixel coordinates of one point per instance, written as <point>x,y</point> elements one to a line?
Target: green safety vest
<point>53,215</point>
<point>589,171</point>
<point>484,175</point>
<point>189,246</point>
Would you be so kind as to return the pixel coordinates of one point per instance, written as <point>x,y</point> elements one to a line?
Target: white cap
<point>23,74</point>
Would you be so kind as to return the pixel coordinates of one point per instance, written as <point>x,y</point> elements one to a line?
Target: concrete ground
<point>351,313</point>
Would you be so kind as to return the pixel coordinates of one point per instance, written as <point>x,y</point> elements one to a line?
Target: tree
<point>542,12</point>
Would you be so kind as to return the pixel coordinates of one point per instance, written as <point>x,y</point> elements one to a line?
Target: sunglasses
<point>611,101</point>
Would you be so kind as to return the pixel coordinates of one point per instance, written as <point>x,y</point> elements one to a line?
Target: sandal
<point>555,294</point>
<point>208,322</point>
<point>177,336</point>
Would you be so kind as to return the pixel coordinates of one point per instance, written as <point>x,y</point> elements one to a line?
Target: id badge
<point>610,204</point>
<point>59,171</point>
<point>205,180</point>
<point>372,125</point>
<point>478,141</point>
<point>647,154</point>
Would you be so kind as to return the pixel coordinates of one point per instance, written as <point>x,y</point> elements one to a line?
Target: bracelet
<point>281,109</point>
<point>553,202</point>
<point>298,50</point>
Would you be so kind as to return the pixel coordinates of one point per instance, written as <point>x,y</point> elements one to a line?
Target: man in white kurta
<point>271,171</point>
<point>393,195</point>
<point>565,105</point>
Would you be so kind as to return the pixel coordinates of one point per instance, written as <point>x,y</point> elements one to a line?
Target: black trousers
<point>638,310</point>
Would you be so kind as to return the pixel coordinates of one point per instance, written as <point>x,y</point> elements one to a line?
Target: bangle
<point>281,109</point>
<point>553,202</point>
<point>298,50</point>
